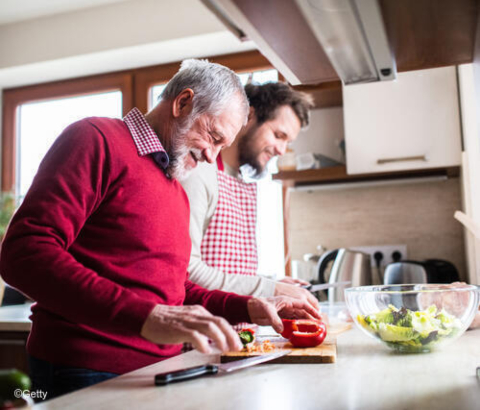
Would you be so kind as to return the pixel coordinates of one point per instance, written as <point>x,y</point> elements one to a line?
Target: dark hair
<point>267,98</point>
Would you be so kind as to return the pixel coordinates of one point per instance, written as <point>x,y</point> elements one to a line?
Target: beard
<point>179,152</point>
<point>247,154</point>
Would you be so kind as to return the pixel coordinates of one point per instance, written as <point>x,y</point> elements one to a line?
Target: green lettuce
<point>411,331</point>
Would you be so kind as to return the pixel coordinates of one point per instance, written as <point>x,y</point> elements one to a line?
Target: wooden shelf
<point>339,174</point>
<point>325,94</point>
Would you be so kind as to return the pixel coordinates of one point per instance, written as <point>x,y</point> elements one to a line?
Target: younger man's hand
<point>269,311</point>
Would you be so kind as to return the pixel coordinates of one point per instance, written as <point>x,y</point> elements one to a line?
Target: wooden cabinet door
<point>410,123</point>
<point>13,352</point>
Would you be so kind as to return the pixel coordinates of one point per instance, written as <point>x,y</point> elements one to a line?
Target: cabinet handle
<point>401,159</point>
<point>13,342</point>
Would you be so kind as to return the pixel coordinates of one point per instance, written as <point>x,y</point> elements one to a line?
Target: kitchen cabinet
<point>324,94</point>
<point>338,174</point>
<point>421,34</point>
<point>14,330</point>
<point>410,123</point>
<point>13,351</point>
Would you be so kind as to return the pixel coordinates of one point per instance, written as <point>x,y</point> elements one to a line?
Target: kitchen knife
<point>162,379</point>
<point>322,286</point>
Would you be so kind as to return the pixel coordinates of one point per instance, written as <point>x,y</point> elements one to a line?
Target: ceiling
<point>12,11</point>
<point>45,40</point>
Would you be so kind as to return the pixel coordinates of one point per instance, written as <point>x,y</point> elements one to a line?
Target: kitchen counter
<point>14,330</point>
<point>366,375</point>
<point>15,318</point>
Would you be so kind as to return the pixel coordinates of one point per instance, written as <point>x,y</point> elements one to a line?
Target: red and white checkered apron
<point>229,243</point>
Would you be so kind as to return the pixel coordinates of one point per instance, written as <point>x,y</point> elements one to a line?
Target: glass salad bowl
<point>413,318</point>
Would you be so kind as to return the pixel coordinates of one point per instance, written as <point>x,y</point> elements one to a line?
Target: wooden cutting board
<point>324,353</point>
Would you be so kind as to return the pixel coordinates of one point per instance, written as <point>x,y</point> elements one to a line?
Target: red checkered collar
<point>145,138</point>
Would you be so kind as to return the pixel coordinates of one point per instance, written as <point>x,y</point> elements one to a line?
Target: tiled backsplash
<point>418,214</point>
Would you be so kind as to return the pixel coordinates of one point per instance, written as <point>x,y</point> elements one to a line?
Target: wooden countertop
<point>15,318</point>
<point>366,375</point>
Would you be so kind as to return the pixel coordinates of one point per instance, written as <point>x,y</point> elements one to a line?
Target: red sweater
<point>100,239</point>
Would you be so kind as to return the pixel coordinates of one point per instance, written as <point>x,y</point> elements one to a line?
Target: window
<point>270,239</point>
<point>34,116</point>
<point>154,94</point>
<point>40,123</point>
<point>259,77</point>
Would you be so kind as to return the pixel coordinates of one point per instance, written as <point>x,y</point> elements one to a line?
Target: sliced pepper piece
<point>288,327</point>
<point>246,336</point>
<point>309,337</point>
<point>302,325</point>
<point>306,325</point>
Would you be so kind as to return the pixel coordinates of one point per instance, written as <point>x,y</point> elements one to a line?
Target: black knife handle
<point>162,379</point>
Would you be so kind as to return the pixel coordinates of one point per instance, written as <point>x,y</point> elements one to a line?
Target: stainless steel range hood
<point>338,37</point>
<point>353,36</point>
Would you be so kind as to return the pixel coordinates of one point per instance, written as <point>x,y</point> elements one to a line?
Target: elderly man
<point>223,212</point>
<point>101,241</point>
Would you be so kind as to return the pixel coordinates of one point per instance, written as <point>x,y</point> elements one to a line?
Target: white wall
<point>111,37</point>
<point>323,135</point>
<point>97,29</point>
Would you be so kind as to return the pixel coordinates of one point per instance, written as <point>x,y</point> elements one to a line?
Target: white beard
<point>179,154</point>
<point>178,169</point>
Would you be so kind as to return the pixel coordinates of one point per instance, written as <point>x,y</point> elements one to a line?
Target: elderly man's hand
<point>269,311</point>
<point>296,292</point>
<point>193,324</point>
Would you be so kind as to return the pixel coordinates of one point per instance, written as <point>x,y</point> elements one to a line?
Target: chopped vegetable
<point>265,347</point>
<point>411,331</point>
<point>247,336</point>
<point>291,325</point>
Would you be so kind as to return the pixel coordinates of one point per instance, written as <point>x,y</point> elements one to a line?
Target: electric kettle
<point>348,265</point>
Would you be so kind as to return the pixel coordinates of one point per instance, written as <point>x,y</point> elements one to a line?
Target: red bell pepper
<point>309,338</point>
<point>288,327</point>
<point>302,325</point>
<point>307,325</point>
<point>304,333</point>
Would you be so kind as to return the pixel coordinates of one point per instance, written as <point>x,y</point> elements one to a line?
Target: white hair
<point>213,85</point>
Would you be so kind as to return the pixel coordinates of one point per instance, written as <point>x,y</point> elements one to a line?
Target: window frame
<point>148,77</point>
<point>15,97</point>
